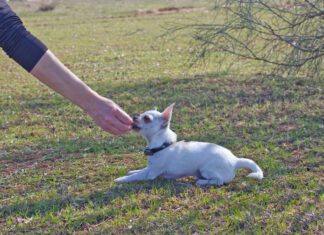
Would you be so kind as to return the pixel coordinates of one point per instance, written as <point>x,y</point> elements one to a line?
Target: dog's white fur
<point>210,163</point>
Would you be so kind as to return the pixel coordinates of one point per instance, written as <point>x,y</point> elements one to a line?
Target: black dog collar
<point>150,152</point>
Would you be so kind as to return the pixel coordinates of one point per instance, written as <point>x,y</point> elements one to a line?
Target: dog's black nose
<point>135,117</point>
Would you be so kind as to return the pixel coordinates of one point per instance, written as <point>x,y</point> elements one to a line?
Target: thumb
<point>123,117</point>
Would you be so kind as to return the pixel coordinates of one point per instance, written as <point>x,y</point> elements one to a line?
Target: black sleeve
<point>16,41</point>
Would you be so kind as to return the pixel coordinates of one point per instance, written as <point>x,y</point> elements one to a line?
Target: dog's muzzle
<point>135,126</point>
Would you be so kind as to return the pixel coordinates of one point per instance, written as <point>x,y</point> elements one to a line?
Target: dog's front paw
<point>132,172</point>
<point>121,179</point>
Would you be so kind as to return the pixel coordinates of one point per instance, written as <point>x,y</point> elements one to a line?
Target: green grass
<point>57,168</point>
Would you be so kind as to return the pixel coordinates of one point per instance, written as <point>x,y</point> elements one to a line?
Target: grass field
<point>57,168</point>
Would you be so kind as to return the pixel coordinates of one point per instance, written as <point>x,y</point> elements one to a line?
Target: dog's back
<point>194,158</point>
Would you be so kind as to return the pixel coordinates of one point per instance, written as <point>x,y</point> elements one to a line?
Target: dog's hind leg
<point>202,182</point>
<point>209,178</point>
<point>218,182</point>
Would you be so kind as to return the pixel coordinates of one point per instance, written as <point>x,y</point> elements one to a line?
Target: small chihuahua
<point>210,163</point>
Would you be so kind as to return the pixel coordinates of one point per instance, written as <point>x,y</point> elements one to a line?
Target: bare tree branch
<point>290,36</point>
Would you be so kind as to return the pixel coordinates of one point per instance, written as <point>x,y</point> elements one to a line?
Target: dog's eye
<point>147,119</point>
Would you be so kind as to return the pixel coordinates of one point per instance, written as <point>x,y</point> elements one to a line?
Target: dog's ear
<point>167,114</point>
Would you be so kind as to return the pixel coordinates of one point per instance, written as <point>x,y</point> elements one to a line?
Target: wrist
<point>90,101</point>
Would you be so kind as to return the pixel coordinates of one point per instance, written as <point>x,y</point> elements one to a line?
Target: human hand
<point>110,117</point>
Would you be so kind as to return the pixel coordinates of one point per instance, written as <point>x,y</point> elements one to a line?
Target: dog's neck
<point>163,136</point>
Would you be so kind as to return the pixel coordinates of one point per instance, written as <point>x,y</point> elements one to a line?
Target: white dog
<point>210,163</point>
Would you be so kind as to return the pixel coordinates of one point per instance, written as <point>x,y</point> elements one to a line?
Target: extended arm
<point>34,57</point>
<point>50,71</point>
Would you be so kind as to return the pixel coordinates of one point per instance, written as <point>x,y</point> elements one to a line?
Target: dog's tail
<point>247,163</point>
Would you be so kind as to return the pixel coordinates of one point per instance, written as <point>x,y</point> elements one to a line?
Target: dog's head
<point>151,122</point>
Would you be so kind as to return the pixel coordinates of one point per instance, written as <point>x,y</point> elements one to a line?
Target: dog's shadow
<point>98,198</point>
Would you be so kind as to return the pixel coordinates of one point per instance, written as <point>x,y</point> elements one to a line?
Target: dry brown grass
<point>43,5</point>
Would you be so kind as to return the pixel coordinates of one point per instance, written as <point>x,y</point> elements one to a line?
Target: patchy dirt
<point>286,127</point>
<point>166,11</point>
<point>18,163</point>
<point>154,12</point>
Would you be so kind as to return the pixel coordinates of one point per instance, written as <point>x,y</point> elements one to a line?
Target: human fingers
<point>117,124</point>
<point>122,116</point>
<point>111,129</point>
